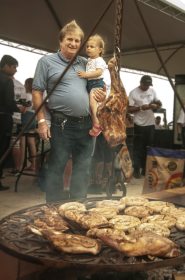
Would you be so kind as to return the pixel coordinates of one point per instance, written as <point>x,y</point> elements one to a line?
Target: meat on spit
<point>112,112</point>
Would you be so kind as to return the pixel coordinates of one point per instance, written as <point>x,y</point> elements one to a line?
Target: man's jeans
<point>69,138</point>
<point>143,138</point>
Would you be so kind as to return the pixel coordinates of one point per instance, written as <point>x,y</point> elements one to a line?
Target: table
<point>176,195</point>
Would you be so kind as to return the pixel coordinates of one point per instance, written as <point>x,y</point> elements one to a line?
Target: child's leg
<point>96,130</point>
<point>93,107</point>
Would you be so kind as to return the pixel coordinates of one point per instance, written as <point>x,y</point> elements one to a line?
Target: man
<point>17,154</point>
<point>8,67</point>
<point>142,101</point>
<point>70,114</point>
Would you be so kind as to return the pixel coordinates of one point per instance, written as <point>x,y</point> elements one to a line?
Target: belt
<point>59,114</point>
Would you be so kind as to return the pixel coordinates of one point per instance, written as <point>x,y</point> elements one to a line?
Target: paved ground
<point>29,194</point>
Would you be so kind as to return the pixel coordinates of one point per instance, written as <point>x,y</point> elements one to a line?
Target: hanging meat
<point>112,112</point>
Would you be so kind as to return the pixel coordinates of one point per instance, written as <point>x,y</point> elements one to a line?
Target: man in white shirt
<point>142,101</point>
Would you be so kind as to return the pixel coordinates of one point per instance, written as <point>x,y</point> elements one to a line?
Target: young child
<point>94,75</point>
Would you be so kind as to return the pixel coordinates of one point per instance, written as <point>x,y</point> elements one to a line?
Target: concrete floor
<point>29,194</point>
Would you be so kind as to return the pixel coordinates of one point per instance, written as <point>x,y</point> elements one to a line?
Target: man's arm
<point>43,129</point>
<point>134,109</point>
<point>99,94</point>
<point>152,106</point>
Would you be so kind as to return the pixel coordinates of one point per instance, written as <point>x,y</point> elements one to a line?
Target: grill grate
<point>17,241</point>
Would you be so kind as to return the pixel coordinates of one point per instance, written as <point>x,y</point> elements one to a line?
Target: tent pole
<point>48,3</point>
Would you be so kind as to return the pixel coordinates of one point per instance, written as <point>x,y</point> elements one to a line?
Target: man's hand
<point>154,106</point>
<point>22,109</point>
<point>44,131</point>
<point>158,102</point>
<point>99,94</point>
<point>151,106</point>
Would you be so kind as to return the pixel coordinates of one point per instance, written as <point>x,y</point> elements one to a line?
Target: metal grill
<point>16,240</point>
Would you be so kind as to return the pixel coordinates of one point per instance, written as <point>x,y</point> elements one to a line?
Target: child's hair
<point>99,41</point>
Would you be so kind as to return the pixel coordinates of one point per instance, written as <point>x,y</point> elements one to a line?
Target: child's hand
<point>82,74</point>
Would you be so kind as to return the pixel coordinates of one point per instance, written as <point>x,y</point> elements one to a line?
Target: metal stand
<point>22,172</point>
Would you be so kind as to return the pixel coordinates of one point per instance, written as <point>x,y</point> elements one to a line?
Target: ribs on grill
<point>69,243</point>
<point>51,219</point>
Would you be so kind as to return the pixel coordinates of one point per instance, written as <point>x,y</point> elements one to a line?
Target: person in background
<point>94,74</point>
<point>158,124</point>
<point>8,67</point>
<point>142,101</point>
<point>70,114</point>
<point>20,94</point>
<point>181,127</point>
<point>25,118</point>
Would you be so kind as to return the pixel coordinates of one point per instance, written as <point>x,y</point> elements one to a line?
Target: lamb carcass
<point>112,112</point>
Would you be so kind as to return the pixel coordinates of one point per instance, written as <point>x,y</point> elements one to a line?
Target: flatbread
<point>158,205</point>
<point>111,203</point>
<point>154,227</point>
<point>164,220</point>
<point>107,212</point>
<point>180,224</point>
<point>138,211</point>
<point>124,222</point>
<point>134,200</point>
<point>74,205</point>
